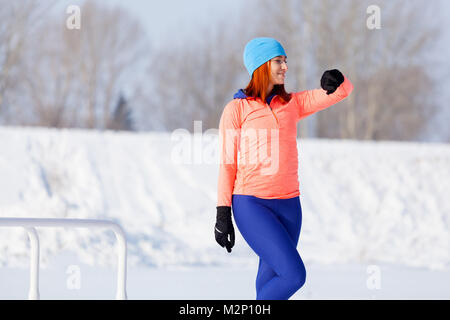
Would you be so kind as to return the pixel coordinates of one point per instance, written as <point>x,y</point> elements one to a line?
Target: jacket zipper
<point>273,113</point>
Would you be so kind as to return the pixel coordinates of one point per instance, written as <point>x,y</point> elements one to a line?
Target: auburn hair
<point>257,86</point>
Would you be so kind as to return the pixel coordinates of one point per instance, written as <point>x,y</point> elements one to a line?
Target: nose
<point>284,66</point>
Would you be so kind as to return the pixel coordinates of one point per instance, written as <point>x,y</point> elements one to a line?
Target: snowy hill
<point>363,202</point>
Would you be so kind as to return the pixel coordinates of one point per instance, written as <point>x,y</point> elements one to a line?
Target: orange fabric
<point>258,143</point>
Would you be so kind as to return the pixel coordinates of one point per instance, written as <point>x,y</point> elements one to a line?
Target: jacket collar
<point>241,95</point>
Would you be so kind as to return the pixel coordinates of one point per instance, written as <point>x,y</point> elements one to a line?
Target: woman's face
<point>278,68</point>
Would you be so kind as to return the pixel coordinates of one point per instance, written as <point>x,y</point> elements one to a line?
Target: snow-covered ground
<point>375,216</point>
<point>347,281</point>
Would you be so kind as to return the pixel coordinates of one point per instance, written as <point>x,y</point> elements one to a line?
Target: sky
<point>172,17</point>
<point>178,16</point>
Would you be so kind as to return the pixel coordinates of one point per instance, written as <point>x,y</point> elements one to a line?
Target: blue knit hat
<point>260,50</point>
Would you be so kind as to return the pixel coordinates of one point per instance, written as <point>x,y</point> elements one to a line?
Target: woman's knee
<point>297,276</point>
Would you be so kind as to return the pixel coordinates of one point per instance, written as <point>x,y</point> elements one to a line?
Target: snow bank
<point>363,202</point>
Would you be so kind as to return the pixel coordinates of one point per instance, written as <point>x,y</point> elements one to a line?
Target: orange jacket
<point>265,137</point>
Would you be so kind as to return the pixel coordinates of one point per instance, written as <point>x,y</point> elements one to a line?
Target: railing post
<point>33,293</point>
<point>121,293</point>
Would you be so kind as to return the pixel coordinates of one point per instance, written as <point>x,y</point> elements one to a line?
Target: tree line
<point>107,74</point>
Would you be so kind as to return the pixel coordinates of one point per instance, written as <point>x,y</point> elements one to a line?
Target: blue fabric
<point>241,95</point>
<point>271,227</point>
<point>260,50</point>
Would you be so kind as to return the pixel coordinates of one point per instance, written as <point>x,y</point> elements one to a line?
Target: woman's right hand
<point>224,230</point>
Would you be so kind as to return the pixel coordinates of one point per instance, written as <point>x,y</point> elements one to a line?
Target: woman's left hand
<point>331,80</point>
<point>224,230</point>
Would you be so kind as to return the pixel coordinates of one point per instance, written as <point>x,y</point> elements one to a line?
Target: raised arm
<point>309,102</point>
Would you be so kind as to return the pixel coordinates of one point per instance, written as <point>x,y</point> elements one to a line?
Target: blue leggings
<point>271,227</point>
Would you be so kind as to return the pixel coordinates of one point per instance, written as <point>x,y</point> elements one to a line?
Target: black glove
<point>223,230</point>
<point>331,80</point>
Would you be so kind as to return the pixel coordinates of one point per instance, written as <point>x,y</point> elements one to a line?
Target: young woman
<point>261,185</point>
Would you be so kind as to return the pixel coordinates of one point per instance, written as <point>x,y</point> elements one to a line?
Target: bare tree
<point>17,21</point>
<point>122,118</point>
<point>326,34</point>
<point>76,75</point>
<point>383,64</point>
<point>399,109</point>
<point>194,78</point>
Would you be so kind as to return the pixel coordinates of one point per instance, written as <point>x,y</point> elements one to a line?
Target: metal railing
<point>31,223</point>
